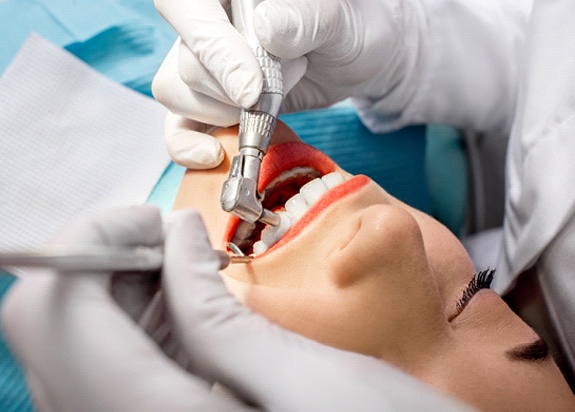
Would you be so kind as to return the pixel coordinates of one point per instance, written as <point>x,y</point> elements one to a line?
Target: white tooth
<point>244,230</point>
<point>313,190</point>
<point>259,247</point>
<point>292,173</point>
<point>296,206</point>
<point>332,179</point>
<point>271,234</point>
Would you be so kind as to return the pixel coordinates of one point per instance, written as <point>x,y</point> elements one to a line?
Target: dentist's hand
<point>330,50</point>
<point>77,337</point>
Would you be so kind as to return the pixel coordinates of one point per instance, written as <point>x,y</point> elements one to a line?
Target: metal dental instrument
<point>99,258</point>
<point>240,195</point>
<point>234,248</point>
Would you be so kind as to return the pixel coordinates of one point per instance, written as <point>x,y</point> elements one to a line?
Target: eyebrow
<point>536,351</point>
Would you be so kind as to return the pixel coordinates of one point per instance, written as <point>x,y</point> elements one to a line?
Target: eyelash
<point>481,280</point>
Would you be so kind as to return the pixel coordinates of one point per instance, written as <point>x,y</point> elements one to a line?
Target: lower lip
<point>332,196</point>
<point>337,193</point>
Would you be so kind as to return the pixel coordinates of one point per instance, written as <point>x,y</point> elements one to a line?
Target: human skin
<point>365,272</point>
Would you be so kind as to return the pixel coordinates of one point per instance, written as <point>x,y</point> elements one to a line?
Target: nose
<point>386,238</point>
<point>385,263</point>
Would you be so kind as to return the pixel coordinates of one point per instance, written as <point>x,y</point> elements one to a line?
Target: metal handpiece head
<point>240,195</point>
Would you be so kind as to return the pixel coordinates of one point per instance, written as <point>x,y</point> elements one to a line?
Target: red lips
<point>286,156</point>
<point>332,196</point>
<point>289,155</point>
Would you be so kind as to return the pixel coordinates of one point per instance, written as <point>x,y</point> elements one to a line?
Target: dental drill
<point>240,195</point>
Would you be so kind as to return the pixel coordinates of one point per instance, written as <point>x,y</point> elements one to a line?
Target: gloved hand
<point>330,50</point>
<point>81,351</point>
<point>78,340</point>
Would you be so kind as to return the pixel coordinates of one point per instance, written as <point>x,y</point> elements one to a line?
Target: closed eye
<point>481,280</point>
<point>537,351</point>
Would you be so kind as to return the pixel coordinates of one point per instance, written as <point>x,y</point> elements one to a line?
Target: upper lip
<point>286,156</point>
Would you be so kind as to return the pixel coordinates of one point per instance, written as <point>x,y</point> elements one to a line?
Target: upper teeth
<point>293,173</point>
<point>295,208</point>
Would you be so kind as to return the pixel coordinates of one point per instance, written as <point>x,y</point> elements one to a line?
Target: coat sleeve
<point>539,228</point>
<point>464,67</point>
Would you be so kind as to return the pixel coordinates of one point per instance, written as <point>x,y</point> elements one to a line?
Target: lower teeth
<point>295,208</point>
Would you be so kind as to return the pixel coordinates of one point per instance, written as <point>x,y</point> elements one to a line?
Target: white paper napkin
<point>72,142</point>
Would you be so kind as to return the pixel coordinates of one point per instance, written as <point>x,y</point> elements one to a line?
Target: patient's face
<point>362,271</point>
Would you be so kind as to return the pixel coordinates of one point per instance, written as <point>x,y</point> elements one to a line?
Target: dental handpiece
<point>240,195</point>
<point>68,259</point>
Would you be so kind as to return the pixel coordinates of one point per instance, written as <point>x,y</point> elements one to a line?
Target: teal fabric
<point>13,390</point>
<point>446,171</point>
<point>124,39</point>
<point>164,193</point>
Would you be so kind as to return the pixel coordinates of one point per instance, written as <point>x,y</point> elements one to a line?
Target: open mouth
<point>297,182</point>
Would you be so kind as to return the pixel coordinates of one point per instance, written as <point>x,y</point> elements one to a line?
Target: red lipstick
<point>284,157</point>
<point>332,196</point>
<point>288,155</point>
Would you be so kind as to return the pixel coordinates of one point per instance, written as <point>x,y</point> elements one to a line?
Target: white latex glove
<point>81,351</point>
<point>80,348</point>
<point>330,50</point>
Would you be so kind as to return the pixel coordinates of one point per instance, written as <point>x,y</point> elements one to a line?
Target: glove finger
<point>206,30</point>
<point>305,94</point>
<point>38,394</point>
<point>130,226</point>
<point>198,78</point>
<point>292,72</point>
<point>189,145</point>
<point>293,29</point>
<point>81,350</point>
<point>181,62</point>
<point>170,90</point>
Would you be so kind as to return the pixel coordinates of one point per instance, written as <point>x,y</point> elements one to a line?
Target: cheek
<point>371,282</point>
<point>201,189</point>
<point>448,259</point>
<point>487,380</point>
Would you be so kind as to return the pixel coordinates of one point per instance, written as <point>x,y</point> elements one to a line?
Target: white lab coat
<point>540,209</point>
<point>509,66</point>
